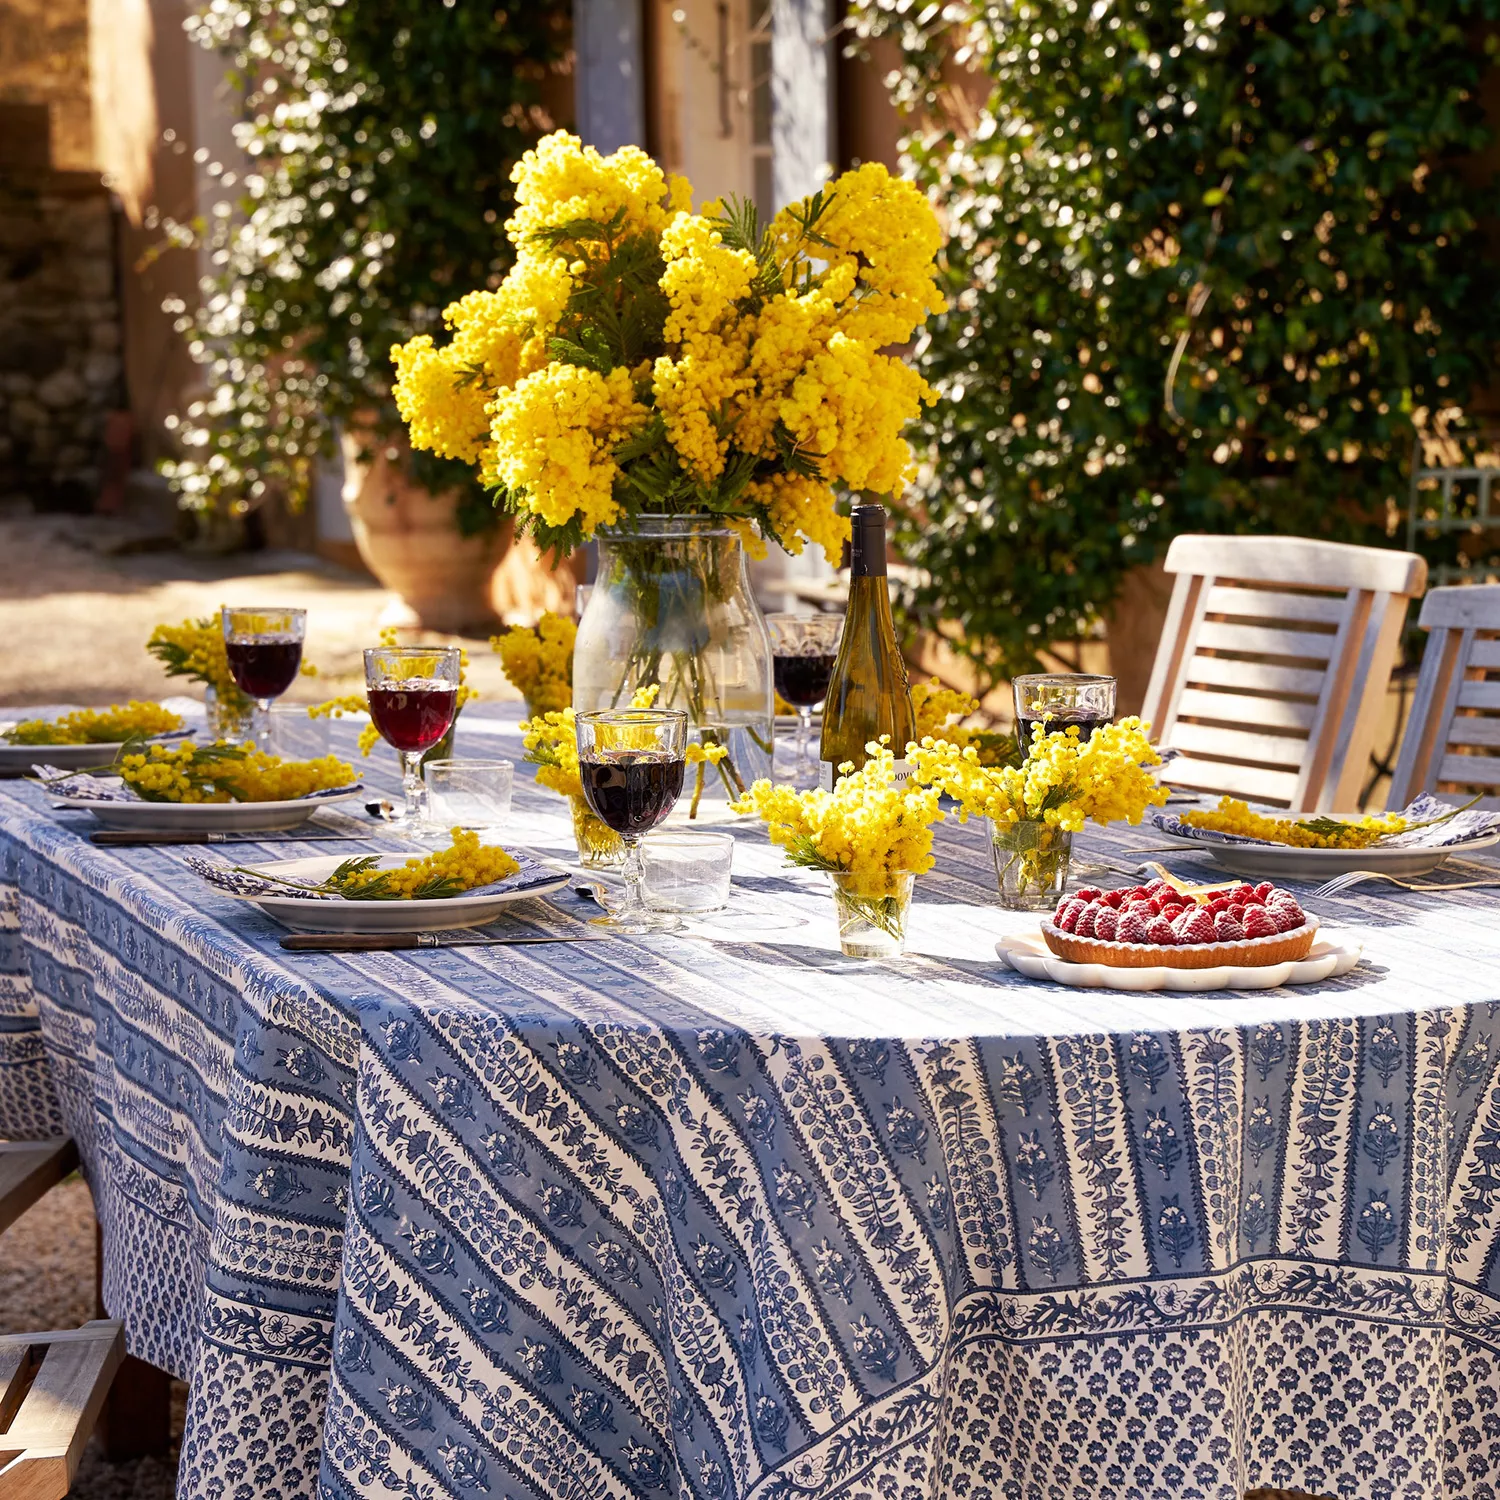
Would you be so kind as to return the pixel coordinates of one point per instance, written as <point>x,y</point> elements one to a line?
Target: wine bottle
<point>868,694</point>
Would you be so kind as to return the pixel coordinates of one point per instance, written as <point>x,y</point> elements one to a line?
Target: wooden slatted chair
<point>1452,742</point>
<point>52,1385</point>
<point>1273,665</point>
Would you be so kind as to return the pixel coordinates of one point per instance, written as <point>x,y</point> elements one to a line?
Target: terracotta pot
<point>409,540</point>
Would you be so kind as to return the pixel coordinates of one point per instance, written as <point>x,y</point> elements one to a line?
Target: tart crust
<point>1248,953</point>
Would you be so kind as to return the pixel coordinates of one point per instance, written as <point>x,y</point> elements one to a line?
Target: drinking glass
<point>687,873</point>
<point>631,764</point>
<point>413,693</point>
<point>1055,700</point>
<point>469,793</point>
<point>803,651</point>
<point>295,735</point>
<point>264,646</point>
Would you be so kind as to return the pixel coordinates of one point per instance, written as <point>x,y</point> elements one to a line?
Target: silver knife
<point>381,942</point>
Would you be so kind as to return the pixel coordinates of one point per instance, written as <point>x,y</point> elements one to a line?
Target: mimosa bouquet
<point>539,663</point>
<point>1033,809</point>
<point>96,726</point>
<point>639,357</point>
<point>195,650</point>
<point>681,383</point>
<point>223,772</point>
<point>933,709</point>
<point>872,834</point>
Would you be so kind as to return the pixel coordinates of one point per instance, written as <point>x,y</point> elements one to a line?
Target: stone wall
<point>59,321</point>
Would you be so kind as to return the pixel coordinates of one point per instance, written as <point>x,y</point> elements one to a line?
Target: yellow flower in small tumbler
<point>871,833</point>
<point>1034,808</point>
<point>539,662</point>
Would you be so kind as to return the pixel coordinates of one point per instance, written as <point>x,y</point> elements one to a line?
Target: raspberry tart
<point>1156,925</point>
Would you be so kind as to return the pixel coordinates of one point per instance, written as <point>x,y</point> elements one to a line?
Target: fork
<point>1341,883</point>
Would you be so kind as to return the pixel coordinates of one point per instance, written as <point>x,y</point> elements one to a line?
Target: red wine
<point>413,718</point>
<point>632,790</point>
<point>803,680</point>
<point>1063,719</point>
<point>264,669</point>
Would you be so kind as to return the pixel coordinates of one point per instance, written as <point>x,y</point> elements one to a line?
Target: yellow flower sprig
<point>195,649</point>
<point>869,826</point>
<point>223,772</point>
<point>96,726</point>
<point>1065,781</point>
<point>359,703</point>
<point>463,866</point>
<point>934,707</point>
<point>539,663</point>
<point>1234,816</point>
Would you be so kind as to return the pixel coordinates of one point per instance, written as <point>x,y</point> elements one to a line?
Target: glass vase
<point>228,716</point>
<point>599,846</point>
<point>1031,863</point>
<point>872,920</point>
<point>672,606</point>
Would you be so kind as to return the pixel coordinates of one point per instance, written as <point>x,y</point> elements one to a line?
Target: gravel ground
<point>78,599</point>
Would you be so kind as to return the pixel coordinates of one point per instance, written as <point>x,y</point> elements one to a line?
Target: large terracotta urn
<point>409,540</point>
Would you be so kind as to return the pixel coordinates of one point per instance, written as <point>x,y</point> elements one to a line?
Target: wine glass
<point>804,649</point>
<point>631,764</point>
<point>264,646</point>
<point>1046,701</point>
<point>413,693</point>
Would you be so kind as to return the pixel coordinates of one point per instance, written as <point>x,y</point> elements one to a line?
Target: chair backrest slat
<point>1274,662</point>
<point>1452,742</point>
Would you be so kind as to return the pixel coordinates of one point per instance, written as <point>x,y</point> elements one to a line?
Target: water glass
<point>295,735</point>
<point>1046,701</point>
<point>686,873</point>
<point>469,793</point>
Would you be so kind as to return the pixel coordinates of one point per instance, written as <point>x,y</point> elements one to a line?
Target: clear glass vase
<point>872,921</point>
<point>232,717</point>
<point>672,606</point>
<point>1031,863</point>
<point>599,846</point>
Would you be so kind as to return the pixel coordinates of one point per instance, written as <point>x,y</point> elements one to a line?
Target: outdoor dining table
<point>722,1213</point>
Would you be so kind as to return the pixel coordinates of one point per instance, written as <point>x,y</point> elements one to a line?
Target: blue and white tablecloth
<point>739,1218</point>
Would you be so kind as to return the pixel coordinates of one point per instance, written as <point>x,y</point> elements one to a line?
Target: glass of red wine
<point>413,694</point>
<point>803,650</point>
<point>631,764</point>
<point>264,647</point>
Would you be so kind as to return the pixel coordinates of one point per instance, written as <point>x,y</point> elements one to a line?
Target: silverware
<point>383,808</point>
<point>1351,878</point>
<point>115,838</point>
<point>380,942</point>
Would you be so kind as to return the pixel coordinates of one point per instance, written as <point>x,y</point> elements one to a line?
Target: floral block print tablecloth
<point>732,1216</point>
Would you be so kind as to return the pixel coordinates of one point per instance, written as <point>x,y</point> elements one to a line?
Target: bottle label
<point>828,774</point>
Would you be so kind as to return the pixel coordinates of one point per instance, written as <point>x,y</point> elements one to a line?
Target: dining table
<point>719,1212</point>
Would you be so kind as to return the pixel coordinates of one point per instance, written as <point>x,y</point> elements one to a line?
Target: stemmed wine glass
<point>1046,701</point>
<point>264,646</point>
<point>804,648</point>
<point>631,764</point>
<point>413,693</point>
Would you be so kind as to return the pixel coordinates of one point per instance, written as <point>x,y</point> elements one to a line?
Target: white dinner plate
<point>1280,862</point>
<point>205,817</point>
<point>1332,953</point>
<point>19,759</point>
<point>472,909</point>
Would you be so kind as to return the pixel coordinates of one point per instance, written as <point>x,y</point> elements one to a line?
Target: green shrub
<point>382,134</point>
<point>1209,270</point>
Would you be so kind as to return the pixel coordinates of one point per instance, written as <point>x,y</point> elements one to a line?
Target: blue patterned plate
<point>316,911</point>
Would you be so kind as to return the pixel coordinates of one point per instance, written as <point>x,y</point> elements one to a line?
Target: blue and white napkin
<point>244,882</point>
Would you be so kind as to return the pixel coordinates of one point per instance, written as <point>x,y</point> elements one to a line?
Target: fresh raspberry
<point>1263,891</point>
<point>1285,912</point>
<point>1138,893</point>
<point>1243,894</point>
<point>1156,887</point>
<point>1160,931</point>
<point>1218,904</point>
<point>1089,893</point>
<point>1259,922</point>
<point>1106,923</point>
<point>1084,926</point>
<point>1195,925</point>
<point>1228,928</point>
<point>1068,919</point>
<point>1172,910</point>
<point>1132,926</point>
<point>1144,910</point>
<point>1237,910</point>
<point>1113,899</point>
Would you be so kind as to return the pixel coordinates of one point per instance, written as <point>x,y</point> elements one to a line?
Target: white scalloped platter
<point>1332,954</point>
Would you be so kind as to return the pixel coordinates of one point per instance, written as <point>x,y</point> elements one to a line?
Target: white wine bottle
<point>868,695</point>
